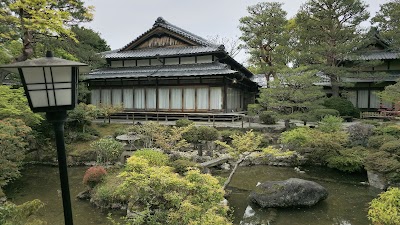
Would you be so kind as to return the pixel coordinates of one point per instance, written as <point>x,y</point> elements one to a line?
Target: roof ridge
<point>161,22</point>
<point>164,23</point>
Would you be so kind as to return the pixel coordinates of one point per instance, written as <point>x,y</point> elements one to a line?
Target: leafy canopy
<point>327,31</point>
<point>265,37</point>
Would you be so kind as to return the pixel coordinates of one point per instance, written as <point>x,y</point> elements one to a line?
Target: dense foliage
<point>318,144</point>
<point>158,195</point>
<point>93,176</point>
<point>13,104</point>
<point>32,21</point>
<point>13,143</point>
<point>344,106</point>
<point>385,209</point>
<point>242,142</point>
<point>266,37</point>
<point>107,150</point>
<point>12,214</point>
<point>327,31</point>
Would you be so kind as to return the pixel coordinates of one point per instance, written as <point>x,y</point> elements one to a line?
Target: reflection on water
<point>346,204</point>
<point>43,183</point>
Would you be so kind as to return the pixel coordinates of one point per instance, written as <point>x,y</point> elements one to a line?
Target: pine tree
<point>328,31</point>
<point>265,37</point>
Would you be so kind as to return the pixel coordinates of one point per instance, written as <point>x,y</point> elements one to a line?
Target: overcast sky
<point>121,21</point>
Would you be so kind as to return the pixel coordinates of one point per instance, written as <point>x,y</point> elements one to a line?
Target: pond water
<point>346,204</point>
<point>43,182</point>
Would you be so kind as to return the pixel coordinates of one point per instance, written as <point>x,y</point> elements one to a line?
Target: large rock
<point>289,193</point>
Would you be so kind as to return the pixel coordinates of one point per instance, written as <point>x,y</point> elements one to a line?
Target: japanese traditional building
<point>168,69</point>
<point>372,79</point>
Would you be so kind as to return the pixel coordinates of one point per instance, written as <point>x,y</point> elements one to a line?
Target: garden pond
<point>346,204</point>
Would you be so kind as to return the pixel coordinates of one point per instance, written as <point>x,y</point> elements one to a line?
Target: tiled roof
<point>161,22</point>
<point>378,55</point>
<point>161,71</point>
<point>153,52</point>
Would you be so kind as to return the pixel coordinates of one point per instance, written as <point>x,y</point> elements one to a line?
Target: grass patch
<point>83,150</point>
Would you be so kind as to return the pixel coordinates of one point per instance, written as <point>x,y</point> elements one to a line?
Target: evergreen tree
<point>388,22</point>
<point>32,20</point>
<point>265,37</point>
<point>328,31</point>
<point>292,94</point>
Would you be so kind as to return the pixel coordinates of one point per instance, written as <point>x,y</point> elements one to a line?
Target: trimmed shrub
<point>376,141</point>
<point>383,162</point>
<point>392,129</point>
<point>392,147</point>
<point>254,109</point>
<point>318,114</point>
<point>385,209</point>
<point>296,138</point>
<point>344,106</point>
<point>348,160</point>
<point>154,157</point>
<point>181,166</point>
<point>183,123</point>
<point>227,133</point>
<point>93,176</point>
<point>202,133</point>
<point>106,192</point>
<point>330,124</point>
<point>107,150</point>
<point>207,133</point>
<point>268,117</point>
<point>277,152</point>
<point>359,134</point>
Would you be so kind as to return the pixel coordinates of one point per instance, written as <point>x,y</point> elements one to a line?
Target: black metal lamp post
<point>50,85</point>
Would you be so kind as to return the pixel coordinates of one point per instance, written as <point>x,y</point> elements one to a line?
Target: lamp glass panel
<point>39,98</point>
<point>33,75</point>
<point>62,74</point>
<point>36,86</point>
<point>63,97</point>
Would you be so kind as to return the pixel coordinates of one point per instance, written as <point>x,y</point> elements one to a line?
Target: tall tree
<point>328,30</point>
<point>32,20</point>
<point>388,22</point>
<point>265,37</point>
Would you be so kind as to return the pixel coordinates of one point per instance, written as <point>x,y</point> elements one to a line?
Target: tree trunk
<point>287,124</point>
<point>200,149</point>
<point>27,39</point>
<point>335,85</point>
<point>234,170</point>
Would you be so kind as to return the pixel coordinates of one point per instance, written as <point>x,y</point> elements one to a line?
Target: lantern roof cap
<point>42,62</point>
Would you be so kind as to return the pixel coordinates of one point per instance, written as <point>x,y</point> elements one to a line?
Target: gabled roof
<point>375,48</point>
<point>162,26</point>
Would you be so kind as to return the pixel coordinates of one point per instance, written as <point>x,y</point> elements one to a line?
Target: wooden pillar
<point>157,95</point>
<point>225,100</point>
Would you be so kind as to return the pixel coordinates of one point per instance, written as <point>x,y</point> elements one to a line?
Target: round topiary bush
<point>183,123</point>
<point>181,166</point>
<point>376,141</point>
<point>93,176</point>
<point>318,114</point>
<point>344,106</point>
<point>268,117</point>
